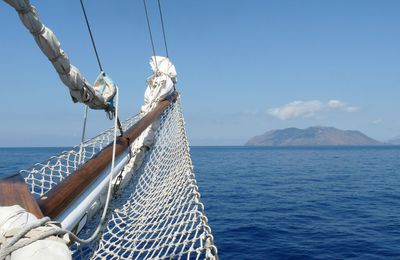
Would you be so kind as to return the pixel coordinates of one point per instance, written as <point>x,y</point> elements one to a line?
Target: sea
<point>289,202</point>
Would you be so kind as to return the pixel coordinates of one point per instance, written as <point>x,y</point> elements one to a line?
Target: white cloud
<point>296,109</point>
<point>333,103</point>
<point>377,121</point>
<point>301,108</point>
<point>351,109</point>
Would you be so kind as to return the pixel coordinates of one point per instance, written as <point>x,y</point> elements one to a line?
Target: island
<point>317,135</point>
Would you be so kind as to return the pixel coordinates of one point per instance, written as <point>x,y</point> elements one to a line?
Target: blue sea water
<point>302,203</point>
<point>289,203</point>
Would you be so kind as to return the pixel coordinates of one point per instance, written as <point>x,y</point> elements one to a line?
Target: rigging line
<point>81,159</point>
<point>164,34</point>
<point>151,35</point>
<point>110,182</point>
<point>121,132</point>
<point>91,35</point>
<point>163,29</point>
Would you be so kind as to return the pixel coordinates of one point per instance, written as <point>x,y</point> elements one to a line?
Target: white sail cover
<point>80,89</point>
<point>159,86</point>
<point>161,83</point>
<point>12,220</point>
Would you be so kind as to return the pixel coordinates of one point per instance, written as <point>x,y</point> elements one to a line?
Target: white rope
<point>110,182</point>
<point>12,245</point>
<point>85,113</point>
<point>21,233</point>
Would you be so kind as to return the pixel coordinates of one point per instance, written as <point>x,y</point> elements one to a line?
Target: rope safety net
<point>45,175</point>
<point>158,213</point>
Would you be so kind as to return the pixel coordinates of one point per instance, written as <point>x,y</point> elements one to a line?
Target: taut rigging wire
<point>163,29</point>
<point>91,35</point>
<point>150,33</point>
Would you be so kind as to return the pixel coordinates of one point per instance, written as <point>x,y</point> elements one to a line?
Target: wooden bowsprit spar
<point>13,190</point>
<point>85,178</point>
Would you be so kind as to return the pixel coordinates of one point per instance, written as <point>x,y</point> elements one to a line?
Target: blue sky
<point>244,67</point>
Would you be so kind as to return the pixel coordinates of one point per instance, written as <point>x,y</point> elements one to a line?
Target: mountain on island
<point>311,136</point>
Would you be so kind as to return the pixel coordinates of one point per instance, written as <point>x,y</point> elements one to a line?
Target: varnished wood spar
<point>62,195</point>
<point>13,191</point>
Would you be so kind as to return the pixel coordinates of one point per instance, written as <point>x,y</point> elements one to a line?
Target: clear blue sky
<point>244,67</point>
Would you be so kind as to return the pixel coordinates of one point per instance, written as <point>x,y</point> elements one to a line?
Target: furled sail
<point>79,88</point>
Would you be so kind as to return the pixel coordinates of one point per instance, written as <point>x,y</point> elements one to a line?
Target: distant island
<point>312,136</point>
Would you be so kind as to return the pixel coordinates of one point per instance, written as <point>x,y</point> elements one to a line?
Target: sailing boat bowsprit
<point>128,193</point>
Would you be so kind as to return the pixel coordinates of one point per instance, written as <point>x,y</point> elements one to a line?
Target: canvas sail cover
<point>80,89</point>
<point>161,83</point>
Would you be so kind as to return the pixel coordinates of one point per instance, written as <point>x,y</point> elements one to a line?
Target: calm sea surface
<point>289,203</point>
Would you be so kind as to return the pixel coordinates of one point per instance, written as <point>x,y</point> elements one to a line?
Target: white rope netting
<point>158,214</point>
<point>45,175</point>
